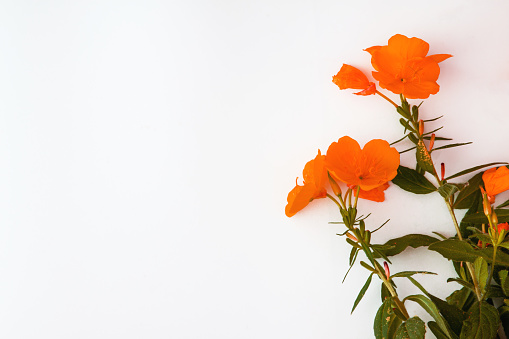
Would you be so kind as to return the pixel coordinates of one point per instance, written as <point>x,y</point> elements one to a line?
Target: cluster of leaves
<point>481,305</point>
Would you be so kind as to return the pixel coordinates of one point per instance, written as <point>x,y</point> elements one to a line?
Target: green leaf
<point>428,120</point>
<point>447,190</point>
<point>504,282</point>
<point>461,298</point>
<point>406,274</point>
<point>481,272</point>
<point>398,245</point>
<point>436,330</point>
<point>424,158</point>
<point>480,218</point>
<point>413,328</point>
<point>458,250</point>
<point>384,293</point>
<point>412,181</point>
<point>454,249</point>
<point>466,196</point>
<point>386,321</point>
<point>481,323</point>
<point>452,314</point>
<point>431,308</point>
<point>362,292</point>
<point>452,145</point>
<point>462,282</point>
<point>473,169</point>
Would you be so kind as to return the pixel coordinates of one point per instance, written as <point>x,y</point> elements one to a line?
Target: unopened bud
<point>494,219</point>
<point>334,185</point>
<point>351,237</point>
<point>432,141</point>
<point>442,171</point>
<point>387,272</point>
<point>421,127</point>
<point>485,202</point>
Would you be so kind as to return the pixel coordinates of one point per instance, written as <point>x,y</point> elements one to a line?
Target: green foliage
<point>451,145</point>
<point>362,292</point>
<point>481,323</point>
<point>433,326</point>
<point>473,169</point>
<point>432,309</point>
<point>467,195</point>
<point>446,190</point>
<point>461,250</point>
<point>413,328</point>
<point>412,181</point>
<point>398,245</point>
<point>424,158</point>
<point>386,322</point>
<point>504,282</point>
<point>481,272</point>
<point>480,218</point>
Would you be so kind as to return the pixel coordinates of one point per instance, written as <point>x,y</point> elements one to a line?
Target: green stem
<point>335,201</point>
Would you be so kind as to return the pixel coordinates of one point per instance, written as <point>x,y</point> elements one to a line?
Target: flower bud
<point>494,219</point>
<point>421,127</point>
<point>351,237</point>
<point>387,271</point>
<point>334,185</point>
<point>485,202</point>
<point>432,141</point>
<point>442,171</point>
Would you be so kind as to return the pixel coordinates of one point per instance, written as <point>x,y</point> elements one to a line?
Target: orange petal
<point>496,180</point>
<point>368,91</point>
<point>379,163</point>
<point>408,48</point>
<point>298,198</point>
<point>439,57</point>
<point>376,194</point>
<point>351,77</point>
<point>341,159</point>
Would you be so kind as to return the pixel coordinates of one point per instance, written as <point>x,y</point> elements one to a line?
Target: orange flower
<point>496,180</point>
<point>376,194</point>
<point>369,168</point>
<point>350,77</point>
<point>315,177</point>
<point>403,67</point>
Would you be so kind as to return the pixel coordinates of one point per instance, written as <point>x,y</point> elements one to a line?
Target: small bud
<point>334,185</point>
<point>351,237</point>
<point>494,219</point>
<point>442,171</point>
<point>421,127</point>
<point>432,141</point>
<point>485,202</point>
<point>387,272</point>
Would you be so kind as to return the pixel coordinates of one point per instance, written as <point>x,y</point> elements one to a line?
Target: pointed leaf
<point>424,158</point>
<point>412,181</point>
<point>431,308</point>
<point>481,323</point>
<point>406,274</point>
<point>454,249</point>
<point>413,328</point>
<point>436,330</point>
<point>362,292</point>
<point>480,217</point>
<point>386,321</point>
<point>473,169</point>
<point>481,272</point>
<point>466,196</point>
<point>451,145</point>
<point>504,282</point>
<point>398,245</point>
<point>447,190</point>
<point>504,204</point>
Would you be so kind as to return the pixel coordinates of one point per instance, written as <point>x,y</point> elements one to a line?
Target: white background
<point>147,149</point>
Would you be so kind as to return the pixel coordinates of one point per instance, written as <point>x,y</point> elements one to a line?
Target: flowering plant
<point>479,250</point>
